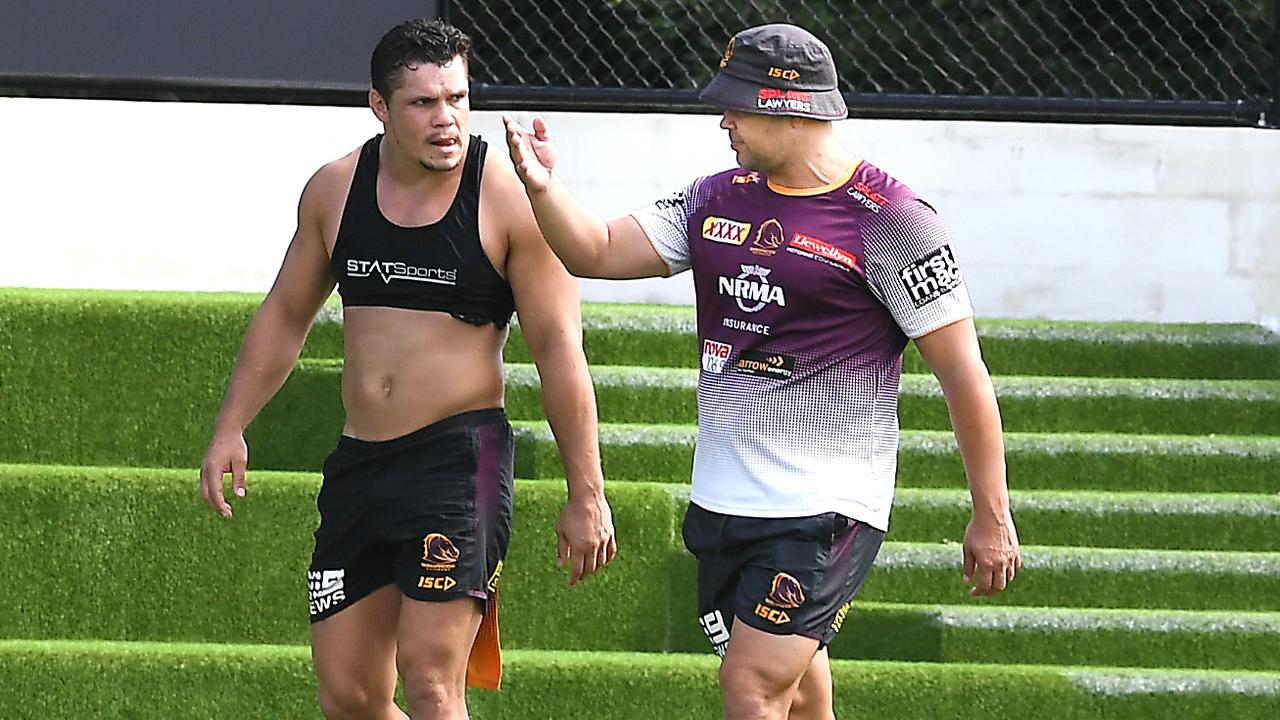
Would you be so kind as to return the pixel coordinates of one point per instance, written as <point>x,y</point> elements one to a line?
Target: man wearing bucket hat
<point>813,269</point>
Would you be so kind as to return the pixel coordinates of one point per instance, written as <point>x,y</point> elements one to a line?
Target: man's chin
<point>440,164</point>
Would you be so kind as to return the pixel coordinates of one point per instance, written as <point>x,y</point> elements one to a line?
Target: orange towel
<point>484,665</point>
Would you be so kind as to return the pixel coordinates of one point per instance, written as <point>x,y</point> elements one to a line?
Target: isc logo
<point>784,73</point>
<point>427,582</point>
<point>773,615</point>
<point>724,230</point>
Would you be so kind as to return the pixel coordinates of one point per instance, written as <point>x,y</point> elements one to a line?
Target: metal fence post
<point>1273,110</point>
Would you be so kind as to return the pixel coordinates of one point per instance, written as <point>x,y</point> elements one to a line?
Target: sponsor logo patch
<point>745,326</point>
<point>717,632</point>
<point>728,53</point>
<point>493,579</point>
<point>765,364</point>
<point>427,582</point>
<point>752,290</point>
<point>390,270</point>
<point>715,355</point>
<point>931,277</point>
<point>439,554</point>
<point>816,249</point>
<point>325,589</point>
<point>793,100</point>
<point>841,614</point>
<point>752,177</point>
<point>869,198</point>
<point>784,73</point>
<point>768,238</point>
<point>724,230</point>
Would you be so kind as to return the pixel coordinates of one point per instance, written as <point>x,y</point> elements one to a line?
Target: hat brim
<point>729,92</point>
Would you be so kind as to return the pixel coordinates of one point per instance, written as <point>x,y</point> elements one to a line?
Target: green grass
<point>930,459</point>
<point>129,680</point>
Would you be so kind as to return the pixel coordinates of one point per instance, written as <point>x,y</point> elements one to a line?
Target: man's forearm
<point>578,237</point>
<point>975,416</point>
<point>570,403</point>
<point>270,350</point>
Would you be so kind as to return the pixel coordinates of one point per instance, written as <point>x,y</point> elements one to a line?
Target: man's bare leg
<point>813,699</point>
<point>354,654</point>
<point>760,672</point>
<point>434,644</point>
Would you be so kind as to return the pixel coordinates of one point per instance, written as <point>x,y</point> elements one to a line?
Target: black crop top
<point>441,266</point>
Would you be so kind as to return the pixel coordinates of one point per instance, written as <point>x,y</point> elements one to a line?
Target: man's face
<point>758,140</point>
<point>428,113</point>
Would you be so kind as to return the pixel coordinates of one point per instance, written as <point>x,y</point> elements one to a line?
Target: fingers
<point>237,476</point>
<point>562,552</point>
<point>211,490</point>
<point>970,564</point>
<point>577,567</point>
<point>540,129</point>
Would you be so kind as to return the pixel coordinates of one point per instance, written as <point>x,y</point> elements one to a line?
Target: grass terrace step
<point>1114,520</point>
<point>142,681</point>
<point>1086,577</point>
<point>658,335</point>
<point>210,325</point>
<point>1027,404</point>
<point>131,554</point>
<point>930,458</point>
<point>1060,636</point>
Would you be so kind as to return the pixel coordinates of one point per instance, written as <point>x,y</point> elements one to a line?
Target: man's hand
<point>992,555</point>
<point>585,533</point>
<point>227,453</point>
<point>532,153</point>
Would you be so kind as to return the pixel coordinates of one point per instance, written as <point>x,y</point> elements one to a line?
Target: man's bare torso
<point>405,369</point>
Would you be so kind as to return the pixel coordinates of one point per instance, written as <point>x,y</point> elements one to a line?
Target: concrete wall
<point>1050,221</point>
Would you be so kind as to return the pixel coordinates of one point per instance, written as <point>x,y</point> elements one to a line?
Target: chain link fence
<point>1167,51</point>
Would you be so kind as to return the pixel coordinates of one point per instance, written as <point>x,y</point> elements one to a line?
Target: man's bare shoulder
<point>328,186</point>
<point>502,195</point>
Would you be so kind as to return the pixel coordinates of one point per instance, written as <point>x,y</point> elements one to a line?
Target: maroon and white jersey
<point>805,301</point>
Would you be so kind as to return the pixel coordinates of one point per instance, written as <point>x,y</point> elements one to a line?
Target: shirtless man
<point>432,245</point>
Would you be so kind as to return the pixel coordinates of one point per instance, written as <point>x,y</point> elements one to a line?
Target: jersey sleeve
<point>666,222</point>
<point>912,269</point>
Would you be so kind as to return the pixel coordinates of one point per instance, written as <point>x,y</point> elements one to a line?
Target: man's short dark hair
<point>413,43</point>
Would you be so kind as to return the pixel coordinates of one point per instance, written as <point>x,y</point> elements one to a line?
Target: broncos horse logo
<point>786,592</point>
<point>439,552</point>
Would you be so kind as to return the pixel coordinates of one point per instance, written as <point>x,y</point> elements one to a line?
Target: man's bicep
<point>631,253</point>
<point>304,281</point>
<point>546,295</point>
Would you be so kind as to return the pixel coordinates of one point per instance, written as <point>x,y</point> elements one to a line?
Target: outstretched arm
<point>588,246</point>
<point>991,552</point>
<point>270,350</point>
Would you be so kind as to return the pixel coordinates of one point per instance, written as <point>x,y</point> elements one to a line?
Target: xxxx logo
<point>724,230</point>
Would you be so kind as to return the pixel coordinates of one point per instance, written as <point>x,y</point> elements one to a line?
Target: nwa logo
<point>439,553</point>
<point>724,230</point>
<point>785,594</point>
<point>932,276</point>
<point>715,355</point>
<point>325,588</point>
<point>752,289</point>
<point>390,270</point>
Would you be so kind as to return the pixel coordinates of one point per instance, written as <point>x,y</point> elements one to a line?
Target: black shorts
<point>784,576</point>
<point>430,511</point>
